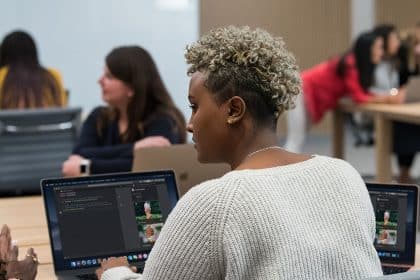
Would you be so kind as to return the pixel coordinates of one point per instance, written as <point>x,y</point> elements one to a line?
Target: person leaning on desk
<point>277,214</point>
<point>326,83</point>
<point>140,113</point>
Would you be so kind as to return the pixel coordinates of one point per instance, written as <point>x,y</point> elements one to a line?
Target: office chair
<point>33,145</point>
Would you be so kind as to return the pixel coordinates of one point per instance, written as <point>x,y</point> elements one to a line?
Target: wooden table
<point>26,218</point>
<point>384,115</point>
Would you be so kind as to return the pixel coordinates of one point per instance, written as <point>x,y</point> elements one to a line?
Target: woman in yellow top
<point>24,83</point>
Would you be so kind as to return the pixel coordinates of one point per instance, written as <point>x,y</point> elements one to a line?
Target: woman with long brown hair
<point>24,82</point>
<point>140,113</point>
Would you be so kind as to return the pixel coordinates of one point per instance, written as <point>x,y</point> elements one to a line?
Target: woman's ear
<point>130,91</point>
<point>236,109</point>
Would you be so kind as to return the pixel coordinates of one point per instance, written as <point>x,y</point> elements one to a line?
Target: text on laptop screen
<point>395,211</point>
<point>98,217</point>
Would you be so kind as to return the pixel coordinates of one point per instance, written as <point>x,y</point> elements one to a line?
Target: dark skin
<point>225,132</point>
<point>230,133</point>
<point>25,269</point>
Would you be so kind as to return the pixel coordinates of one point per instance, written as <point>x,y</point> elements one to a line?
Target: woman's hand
<point>113,262</point>
<point>5,243</point>
<point>152,141</point>
<point>71,167</point>
<point>25,269</point>
<point>399,97</point>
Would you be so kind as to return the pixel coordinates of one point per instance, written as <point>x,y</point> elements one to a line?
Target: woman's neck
<point>258,141</point>
<point>263,151</point>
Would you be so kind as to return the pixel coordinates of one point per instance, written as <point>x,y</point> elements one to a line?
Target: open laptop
<point>183,160</point>
<point>395,207</point>
<point>96,217</point>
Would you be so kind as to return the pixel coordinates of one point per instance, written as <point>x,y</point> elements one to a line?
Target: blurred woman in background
<point>24,82</point>
<point>410,50</point>
<point>140,113</point>
<point>324,84</point>
<point>387,78</point>
<point>406,138</point>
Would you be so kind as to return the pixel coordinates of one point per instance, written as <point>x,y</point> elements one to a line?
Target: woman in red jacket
<point>324,84</point>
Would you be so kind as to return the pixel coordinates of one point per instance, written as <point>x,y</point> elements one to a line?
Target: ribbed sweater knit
<point>310,220</point>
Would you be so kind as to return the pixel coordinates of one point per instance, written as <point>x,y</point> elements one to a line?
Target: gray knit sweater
<point>310,220</point>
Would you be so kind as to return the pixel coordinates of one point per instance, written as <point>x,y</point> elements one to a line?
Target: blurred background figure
<point>24,82</point>
<point>386,74</point>
<point>386,78</point>
<point>140,113</point>
<point>352,74</point>
<point>406,138</point>
<point>410,49</point>
<point>392,74</point>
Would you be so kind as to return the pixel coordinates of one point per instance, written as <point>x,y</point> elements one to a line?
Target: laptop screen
<point>395,209</point>
<point>96,217</point>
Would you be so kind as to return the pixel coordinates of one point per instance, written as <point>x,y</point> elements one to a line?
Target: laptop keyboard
<point>87,277</point>
<point>393,269</point>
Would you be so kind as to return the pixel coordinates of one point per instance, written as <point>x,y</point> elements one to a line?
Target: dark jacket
<point>107,153</point>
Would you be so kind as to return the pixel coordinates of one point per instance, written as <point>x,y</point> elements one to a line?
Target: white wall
<point>362,16</point>
<point>75,36</point>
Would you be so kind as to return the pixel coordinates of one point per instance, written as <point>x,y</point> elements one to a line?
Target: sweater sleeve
<point>184,248</point>
<point>187,247</point>
<point>120,272</point>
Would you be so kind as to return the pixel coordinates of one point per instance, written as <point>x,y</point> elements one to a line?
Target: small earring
<point>230,121</point>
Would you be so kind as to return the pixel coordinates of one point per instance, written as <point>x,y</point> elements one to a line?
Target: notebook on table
<point>95,217</point>
<point>395,207</point>
<point>183,160</point>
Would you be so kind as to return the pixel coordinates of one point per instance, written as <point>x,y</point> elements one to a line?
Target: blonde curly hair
<point>248,63</point>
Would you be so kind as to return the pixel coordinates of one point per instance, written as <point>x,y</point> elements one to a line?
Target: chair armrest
<point>38,128</point>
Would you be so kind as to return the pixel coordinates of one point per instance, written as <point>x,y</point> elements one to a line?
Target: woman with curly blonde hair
<point>276,214</point>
